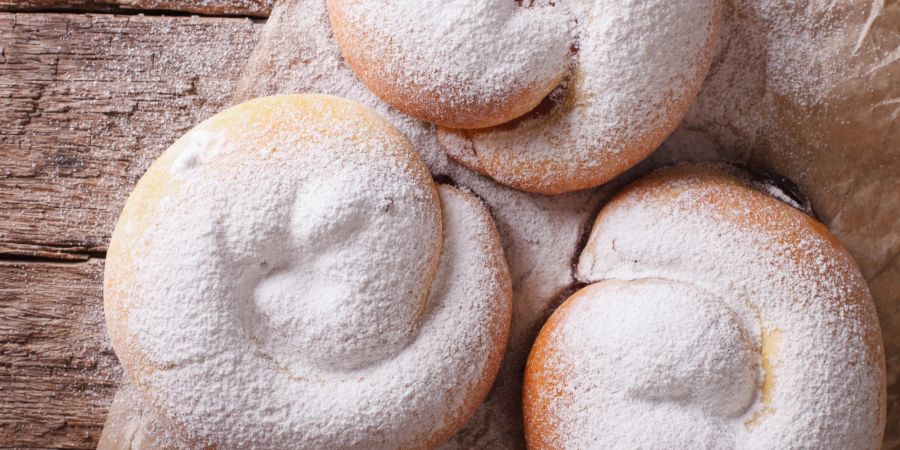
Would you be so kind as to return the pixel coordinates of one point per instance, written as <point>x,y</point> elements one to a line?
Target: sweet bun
<point>456,63</point>
<point>288,274</point>
<point>636,71</point>
<point>716,316</point>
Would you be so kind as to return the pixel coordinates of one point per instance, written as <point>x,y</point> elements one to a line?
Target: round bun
<point>456,63</point>
<point>287,274</point>
<point>716,317</point>
<point>637,68</point>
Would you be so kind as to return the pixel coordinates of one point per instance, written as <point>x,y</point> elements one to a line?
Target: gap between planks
<point>259,9</point>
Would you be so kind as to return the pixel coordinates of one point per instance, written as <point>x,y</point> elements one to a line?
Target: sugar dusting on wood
<point>91,101</point>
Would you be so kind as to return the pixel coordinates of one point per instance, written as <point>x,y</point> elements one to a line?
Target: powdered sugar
<point>459,57</point>
<point>533,227</point>
<point>665,359</point>
<point>731,276</point>
<point>541,235</point>
<point>639,66</point>
<point>275,295</point>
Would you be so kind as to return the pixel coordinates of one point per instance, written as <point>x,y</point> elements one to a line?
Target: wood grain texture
<point>58,372</point>
<point>86,103</point>
<point>250,8</point>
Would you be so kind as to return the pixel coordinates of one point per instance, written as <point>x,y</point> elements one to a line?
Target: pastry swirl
<point>716,317</point>
<point>287,274</point>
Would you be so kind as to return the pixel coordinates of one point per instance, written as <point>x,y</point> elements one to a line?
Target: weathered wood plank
<point>251,8</point>
<point>86,103</point>
<point>58,372</point>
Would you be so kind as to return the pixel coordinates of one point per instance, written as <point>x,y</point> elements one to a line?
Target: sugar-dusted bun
<point>287,275</point>
<point>638,67</point>
<point>717,317</point>
<point>456,63</point>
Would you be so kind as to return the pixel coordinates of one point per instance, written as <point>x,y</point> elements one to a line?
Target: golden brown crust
<point>424,101</point>
<point>543,378</point>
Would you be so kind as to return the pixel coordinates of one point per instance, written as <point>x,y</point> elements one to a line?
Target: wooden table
<point>91,91</point>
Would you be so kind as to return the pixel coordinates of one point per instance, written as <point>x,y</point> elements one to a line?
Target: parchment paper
<point>132,426</point>
<point>811,92</point>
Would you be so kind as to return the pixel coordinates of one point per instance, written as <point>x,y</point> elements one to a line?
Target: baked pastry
<point>636,70</point>
<point>717,317</point>
<point>287,274</point>
<point>456,63</point>
<point>540,234</point>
